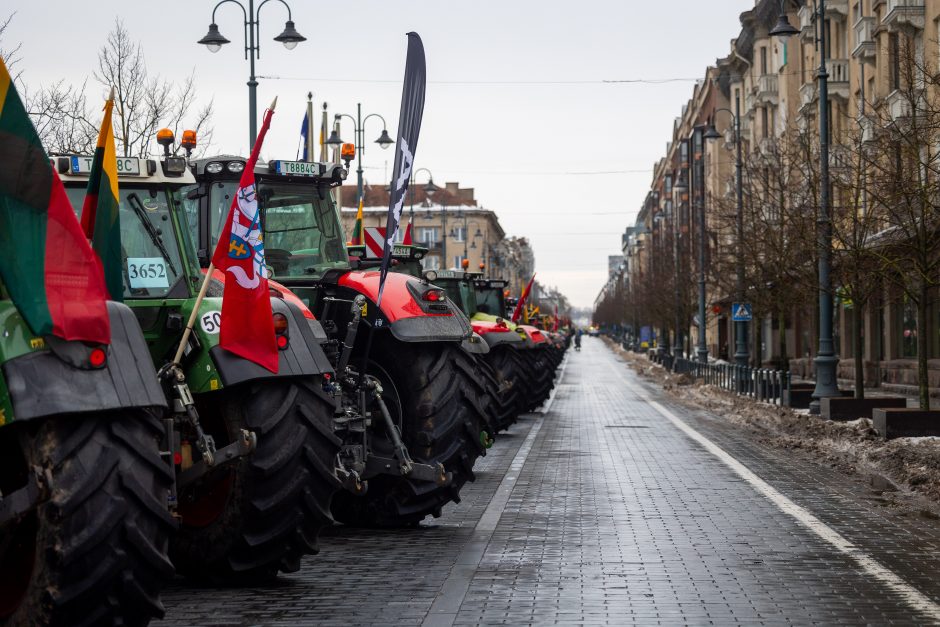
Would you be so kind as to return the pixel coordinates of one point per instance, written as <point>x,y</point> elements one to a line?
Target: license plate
<point>297,168</point>
<point>126,166</point>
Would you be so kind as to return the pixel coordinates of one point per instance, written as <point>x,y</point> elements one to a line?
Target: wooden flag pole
<point>192,315</point>
<point>201,296</point>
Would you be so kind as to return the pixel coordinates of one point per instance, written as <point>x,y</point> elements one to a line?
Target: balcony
<point>807,98</point>
<point>899,105</point>
<point>865,48</point>
<point>765,89</point>
<point>904,13</point>
<point>838,70</point>
<point>807,28</point>
<point>837,7</point>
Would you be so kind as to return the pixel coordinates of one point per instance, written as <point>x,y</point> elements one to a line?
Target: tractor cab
<point>490,296</point>
<point>303,236</point>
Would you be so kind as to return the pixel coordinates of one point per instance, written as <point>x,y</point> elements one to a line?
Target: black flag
<point>409,125</point>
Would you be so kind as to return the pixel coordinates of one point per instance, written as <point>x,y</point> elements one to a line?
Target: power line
<point>512,83</point>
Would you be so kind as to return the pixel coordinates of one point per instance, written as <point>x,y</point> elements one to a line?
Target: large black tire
<point>511,384</point>
<point>431,394</point>
<point>95,552</point>
<point>265,512</point>
<point>536,374</point>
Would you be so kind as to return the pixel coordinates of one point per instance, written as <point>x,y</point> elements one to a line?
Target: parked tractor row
<point>127,462</point>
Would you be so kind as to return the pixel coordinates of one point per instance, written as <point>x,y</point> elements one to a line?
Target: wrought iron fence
<point>761,384</point>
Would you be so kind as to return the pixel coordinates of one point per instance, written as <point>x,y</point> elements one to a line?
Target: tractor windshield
<point>149,250</point>
<point>302,233</point>
<point>490,300</point>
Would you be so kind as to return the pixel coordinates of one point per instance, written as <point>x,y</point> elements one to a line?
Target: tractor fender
<point>303,355</point>
<point>534,333</point>
<point>495,334</point>
<point>57,379</point>
<point>475,345</point>
<point>408,319</point>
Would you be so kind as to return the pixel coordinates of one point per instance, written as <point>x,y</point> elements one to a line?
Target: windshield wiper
<point>138,206</point>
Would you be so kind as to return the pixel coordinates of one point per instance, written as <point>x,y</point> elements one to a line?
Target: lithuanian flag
<point>356,238</point>
<point>100,220</point>
<point>46,264</point>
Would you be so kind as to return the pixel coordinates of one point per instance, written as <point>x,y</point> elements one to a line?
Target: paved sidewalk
<point>606,511</point>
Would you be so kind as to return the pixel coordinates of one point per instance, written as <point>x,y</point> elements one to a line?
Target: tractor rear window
<point>490,301</point>
<point>151,259</point>
<point>302,234</point>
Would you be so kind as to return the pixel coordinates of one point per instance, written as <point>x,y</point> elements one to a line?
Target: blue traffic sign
<point>741,312</point>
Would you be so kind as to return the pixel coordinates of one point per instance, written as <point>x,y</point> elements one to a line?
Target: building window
<point>764,122</point>
<point>457,260</point>
<point>763,60</point>
<point>894,57</point>
<point>460,233</point>
<point>908,328</point>
<point>427,235</point>
<point>432,262</point>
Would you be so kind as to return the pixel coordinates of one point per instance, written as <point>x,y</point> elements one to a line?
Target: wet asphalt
<point>604,510</point>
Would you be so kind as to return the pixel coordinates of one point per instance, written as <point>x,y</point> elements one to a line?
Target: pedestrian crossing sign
<point>741,312</point>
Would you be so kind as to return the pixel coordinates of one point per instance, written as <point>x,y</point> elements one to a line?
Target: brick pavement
<point>615,517</point>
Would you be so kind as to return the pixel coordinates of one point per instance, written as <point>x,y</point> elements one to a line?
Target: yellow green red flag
<point>46,265</point>
<point>356,238</point>
<point>100,212</point>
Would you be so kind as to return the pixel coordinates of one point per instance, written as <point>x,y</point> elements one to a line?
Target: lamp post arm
<point>216,8</point>
<point>245,24</point>
<point>264,2</point>
<point>384,123</point>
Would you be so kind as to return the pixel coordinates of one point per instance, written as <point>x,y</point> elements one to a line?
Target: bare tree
<point>856,267</point>
<point>10,53</point>
<point>144,102</point>
<point>904,182</point>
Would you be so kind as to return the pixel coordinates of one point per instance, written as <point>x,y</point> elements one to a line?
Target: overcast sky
<point>516,107</point>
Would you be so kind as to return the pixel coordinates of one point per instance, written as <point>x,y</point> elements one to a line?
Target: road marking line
<point>908,593</point>
<point>443,611</point>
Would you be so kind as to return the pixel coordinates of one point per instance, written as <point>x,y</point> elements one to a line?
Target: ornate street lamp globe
<point>213,39</point>
<point>290,37</point>
<point>384,140</point>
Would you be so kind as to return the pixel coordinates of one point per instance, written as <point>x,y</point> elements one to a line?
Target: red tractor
<point>410,411</point>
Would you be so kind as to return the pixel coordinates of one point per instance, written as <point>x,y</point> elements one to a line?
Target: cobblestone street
<point>616,506</point>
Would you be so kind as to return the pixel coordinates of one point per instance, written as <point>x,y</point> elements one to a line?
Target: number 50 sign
<point>211,322</point>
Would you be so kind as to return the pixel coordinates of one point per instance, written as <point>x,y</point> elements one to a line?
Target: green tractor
<point>411,415</point>
<point>254,453</point>
<point>84,480</point>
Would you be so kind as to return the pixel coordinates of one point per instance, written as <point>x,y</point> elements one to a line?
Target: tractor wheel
<point>95,551</point>
<point>430,393</point>
<point>511,385</point>
<point>261,514</point>
<point>536,383</point>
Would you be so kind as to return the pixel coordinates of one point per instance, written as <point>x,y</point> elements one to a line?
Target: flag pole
<point>201,296</point>
<point>192,315</point>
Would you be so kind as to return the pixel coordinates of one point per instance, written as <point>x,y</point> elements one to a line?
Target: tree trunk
<point>922,380</point>
<point>784,360</point>
<point>858,348</point>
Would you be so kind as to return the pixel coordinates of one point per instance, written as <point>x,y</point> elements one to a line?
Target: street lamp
<point>214,40</point>
<point>359,137</point>
<point>681,188</point>
<point>429,189</point>
<point>741,353</point>
<point>826,360</point>
<point>698,196</point>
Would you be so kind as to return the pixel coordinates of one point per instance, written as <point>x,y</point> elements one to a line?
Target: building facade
<point>882,59</point>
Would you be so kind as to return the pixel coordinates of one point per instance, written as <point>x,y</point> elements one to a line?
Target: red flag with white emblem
<point>247,322</point>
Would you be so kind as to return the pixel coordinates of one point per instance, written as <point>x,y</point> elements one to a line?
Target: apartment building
<point>768,89</point>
